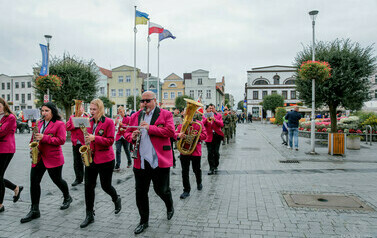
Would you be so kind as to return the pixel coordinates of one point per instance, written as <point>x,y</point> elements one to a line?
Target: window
<point>16,108</point>
<point>113,93</point>
<point>128,79</point>
<point>17,97</point>
<point>179,94</point>
<point>120,79</point>
<point>8,86</point>
<point>172,85</point>
<point>3,96</point>
<point>293,94</point>
<point>22,84</point>
<point>200,81</point>
<point>284,94</point>
<point>29,96</point>
<point>274,92</point>
<point>192,93</point>
<point>276,79</point>
<point>23,98</point>
<point>17,84</point>
<point>200,93</point>
<point>264,93</point>
<point>128,92</point>
<point>208,93</point>
<point>2,86</point>
<point>8,97</point>
<point>375,93</point>
<point>255,94</point>
<point>291,82</point>
<point>166,95</point>
<point>172,95</point>
<point>29,107</point>
<point>255,111</point>
<point>120,92</point>
<point>29,84</point>
<point>102,90</point>
<point>261,82</point>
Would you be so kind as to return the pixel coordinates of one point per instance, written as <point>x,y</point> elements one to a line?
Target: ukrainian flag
<point>141,18</point>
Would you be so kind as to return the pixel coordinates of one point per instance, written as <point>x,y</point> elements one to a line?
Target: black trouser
<point>105,171</point>
<point>78,165</point>
<point>213,151</point>
<point>4,183</point>
<point>172,149</point>
<point>118,144</point>
<point>161,185</point>
<point>185,163</point>
<point>36,176</point>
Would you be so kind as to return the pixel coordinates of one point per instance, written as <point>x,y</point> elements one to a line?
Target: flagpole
<point>158,73</point>
<point>148,39</point>
<point>135,31</point>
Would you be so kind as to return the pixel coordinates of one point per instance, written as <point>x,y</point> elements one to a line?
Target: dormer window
<point>172,85</point>
<point>276,79</point>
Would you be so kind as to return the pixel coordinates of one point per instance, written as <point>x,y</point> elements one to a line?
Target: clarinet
<point>137,144</point>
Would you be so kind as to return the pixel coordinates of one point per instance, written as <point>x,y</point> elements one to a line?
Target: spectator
<point>293,118</point>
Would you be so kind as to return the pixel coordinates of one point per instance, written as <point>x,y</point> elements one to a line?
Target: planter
<point>336,142</point>
<point>353,143</point>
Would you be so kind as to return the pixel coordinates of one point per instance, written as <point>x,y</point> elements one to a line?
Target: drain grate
<point>289,161</point>
<point>326,201</point>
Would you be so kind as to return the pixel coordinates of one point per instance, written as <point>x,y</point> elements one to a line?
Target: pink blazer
<point>125,122</point>
<point>160,130</point>
<point>215,125</point>
<point>8,127</point>
<point>50,147</point>
<point>76,133</point>
<point>102,146</point>
<point>203,136</point>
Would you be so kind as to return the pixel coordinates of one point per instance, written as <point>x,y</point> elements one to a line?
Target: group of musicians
<point>149,131</point>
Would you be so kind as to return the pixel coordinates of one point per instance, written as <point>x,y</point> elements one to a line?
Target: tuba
<point>187,145</point>
<point>34,144</point>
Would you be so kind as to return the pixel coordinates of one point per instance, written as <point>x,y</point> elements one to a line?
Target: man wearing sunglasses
<point>154,157</point>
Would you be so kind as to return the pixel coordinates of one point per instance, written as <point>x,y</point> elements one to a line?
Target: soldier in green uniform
<point>227,120</point>
<point>234,123</point>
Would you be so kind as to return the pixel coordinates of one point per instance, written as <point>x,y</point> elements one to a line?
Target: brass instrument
<point>137,144</point>
<point>187,145</point>
<point>34,144</point>
<point>86,153</point>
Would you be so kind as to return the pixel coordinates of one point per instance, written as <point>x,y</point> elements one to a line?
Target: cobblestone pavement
<point>243,200</point>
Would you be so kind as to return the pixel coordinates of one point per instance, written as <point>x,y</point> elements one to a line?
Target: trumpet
<point>35,143</point>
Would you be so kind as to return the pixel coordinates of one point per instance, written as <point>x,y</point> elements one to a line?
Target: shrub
<point>280,113</point>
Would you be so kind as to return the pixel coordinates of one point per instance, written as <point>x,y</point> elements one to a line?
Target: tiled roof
<point>106,72</point>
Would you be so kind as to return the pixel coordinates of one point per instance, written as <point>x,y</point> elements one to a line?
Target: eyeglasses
<point>146,100</point>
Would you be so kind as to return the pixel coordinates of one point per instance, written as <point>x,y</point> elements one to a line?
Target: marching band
<point>149,131</point>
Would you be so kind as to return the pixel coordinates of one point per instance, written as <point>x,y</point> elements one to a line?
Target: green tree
<point>280,113</point>
<point>271,102</point>
<point>240,105</point>
<point>130,102</point>
<point>79,81</point>
<point>107,103</point>
<point>348,85</point>
<point>180,103</point>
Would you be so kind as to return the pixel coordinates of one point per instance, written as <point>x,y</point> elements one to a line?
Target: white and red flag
<point>155,28</point>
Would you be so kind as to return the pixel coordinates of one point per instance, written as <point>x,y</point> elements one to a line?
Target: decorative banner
<point>44,60</point>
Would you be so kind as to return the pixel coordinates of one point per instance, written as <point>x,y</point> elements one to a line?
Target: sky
<point>225,37</point>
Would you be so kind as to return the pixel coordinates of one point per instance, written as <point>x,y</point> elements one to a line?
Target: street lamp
<point>313,15</point>
<point>48,39</point>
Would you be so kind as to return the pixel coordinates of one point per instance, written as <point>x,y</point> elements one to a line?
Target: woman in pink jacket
<point>101,137</point>
<point>8,127</point>
<point>51,136</point>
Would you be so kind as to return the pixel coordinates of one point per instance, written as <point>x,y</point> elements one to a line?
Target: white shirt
<point>147,152</point>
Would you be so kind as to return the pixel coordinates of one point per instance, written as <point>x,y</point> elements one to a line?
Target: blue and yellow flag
<point>141,18</point>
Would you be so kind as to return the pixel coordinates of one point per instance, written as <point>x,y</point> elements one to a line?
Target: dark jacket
<point>293,118</point>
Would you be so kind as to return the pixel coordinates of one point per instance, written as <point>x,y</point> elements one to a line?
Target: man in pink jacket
<point>154,157</point>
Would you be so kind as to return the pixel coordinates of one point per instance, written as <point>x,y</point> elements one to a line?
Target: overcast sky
<point>225,37</point>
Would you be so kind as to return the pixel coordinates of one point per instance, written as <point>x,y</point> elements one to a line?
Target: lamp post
<point>48,38</point>
<point>313,15</point>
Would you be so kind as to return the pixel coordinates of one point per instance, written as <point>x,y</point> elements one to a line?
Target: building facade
<point>198,84</point>
<point>121,85</point>
<point>172,87</point>
<point>371,105</point>
<point>153,86</point>
<point>18,91</point>
<point>263,81</point>
<point>230,99</point>
<point>220,94</point>
<point>104,75</point>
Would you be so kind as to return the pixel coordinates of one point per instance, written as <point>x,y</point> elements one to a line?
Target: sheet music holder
<point>78,121</point>
<point>31,114</point>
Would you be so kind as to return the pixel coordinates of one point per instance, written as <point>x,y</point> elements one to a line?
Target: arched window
<point>290,81</point>
<point>261,82</point>
<point>152,86</point>
<point>172,85</point>
<point>276,79</point>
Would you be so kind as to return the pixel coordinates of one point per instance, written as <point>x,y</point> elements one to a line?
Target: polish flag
<point>200,110</point>
<point>155,28</point>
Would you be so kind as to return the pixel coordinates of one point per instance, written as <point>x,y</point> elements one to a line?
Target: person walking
<point>122,121</point>
<point>293,118</point>
<point>8,127</point>
<point>284,132</point>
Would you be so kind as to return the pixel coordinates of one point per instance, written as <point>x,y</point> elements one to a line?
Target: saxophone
<point>34,144</point>
<point>137,144</point>
<point>85,151</point>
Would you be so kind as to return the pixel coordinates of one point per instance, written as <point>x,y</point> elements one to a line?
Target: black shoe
<point>140,228</point>
<point>15,198</point>
<point>33,214</point>
<point>118,205</point>
<point>88,219</point>
<point>66,202</point>
<point>75,183</point>
<point>211,172</point>
<point>184,195</point>
<point>2,208</point>
<point>170,214</point>
<point>200,187</point>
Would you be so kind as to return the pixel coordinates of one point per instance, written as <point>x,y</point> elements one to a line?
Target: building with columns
<point>263,81</point>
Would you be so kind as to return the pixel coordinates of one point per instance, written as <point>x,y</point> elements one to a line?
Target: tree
<point>79,81</point>
<point>107,103</point>
<point>130,102</point>
<point>240,105</point>
<point>180,103</point>
<point>271,102</point>
<point>348,85</point>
